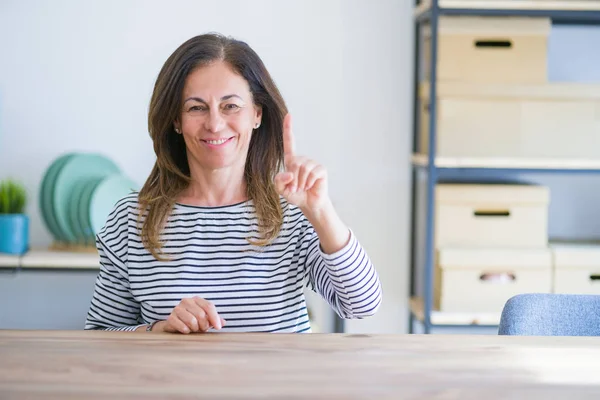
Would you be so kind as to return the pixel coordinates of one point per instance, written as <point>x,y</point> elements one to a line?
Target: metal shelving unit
<point>434,169</point>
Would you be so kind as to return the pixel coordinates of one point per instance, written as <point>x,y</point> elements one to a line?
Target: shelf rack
<point>584,12</point>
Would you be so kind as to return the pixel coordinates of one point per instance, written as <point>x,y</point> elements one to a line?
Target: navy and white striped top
<point>254,289</point>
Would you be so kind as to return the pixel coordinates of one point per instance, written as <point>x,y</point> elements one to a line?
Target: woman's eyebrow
<point>198,99</point>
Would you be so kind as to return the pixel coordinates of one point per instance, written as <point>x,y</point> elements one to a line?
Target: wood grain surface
<point>115,365</point>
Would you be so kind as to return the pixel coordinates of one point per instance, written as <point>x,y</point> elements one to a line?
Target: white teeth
<point>216,142</point>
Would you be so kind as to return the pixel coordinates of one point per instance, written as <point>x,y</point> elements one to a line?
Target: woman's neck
<point>215,188</point>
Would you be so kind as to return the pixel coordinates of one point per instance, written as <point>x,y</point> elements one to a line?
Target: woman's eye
<point>197,108</point>
<point>231,107</point>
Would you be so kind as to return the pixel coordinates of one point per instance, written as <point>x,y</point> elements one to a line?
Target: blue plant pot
<point>14,233</point>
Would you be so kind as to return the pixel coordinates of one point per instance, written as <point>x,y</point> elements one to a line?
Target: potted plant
<point>14,224</point>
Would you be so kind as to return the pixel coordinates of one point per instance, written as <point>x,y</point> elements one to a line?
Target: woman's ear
<point>177,126</point>
<point>257,116</point>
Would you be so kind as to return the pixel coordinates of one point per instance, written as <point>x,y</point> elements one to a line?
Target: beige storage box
<point>514,121</point>
<point>491,215</point>
<point>576,268</point>
<point>490,49</point>
<point>482,280</point>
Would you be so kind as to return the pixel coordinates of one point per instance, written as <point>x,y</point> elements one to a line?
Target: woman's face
<point>217,117</point>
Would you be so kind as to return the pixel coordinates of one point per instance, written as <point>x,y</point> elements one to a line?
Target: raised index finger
<point>288,137</point>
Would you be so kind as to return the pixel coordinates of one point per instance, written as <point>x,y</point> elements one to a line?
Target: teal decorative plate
<point>80,166</point>
<point>105,197</point>
<point>45,197</point>
<point>73,210</point>
<point>84,210</point>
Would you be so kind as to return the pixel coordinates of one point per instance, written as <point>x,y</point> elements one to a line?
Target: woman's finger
<point>211,316</point>
<point>174,324</point>
<point>204,324</point>
<point>294,168</point>
<point>188,318</point>
<point>304,172</point>
<point>318,173</point>
<point>282,179</point>
<point>288,138</point>
<point>200,315</point>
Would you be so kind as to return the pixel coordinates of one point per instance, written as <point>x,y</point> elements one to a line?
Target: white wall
<point>77,75</point>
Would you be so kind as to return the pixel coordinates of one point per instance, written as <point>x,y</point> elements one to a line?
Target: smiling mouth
<point>217,142</point>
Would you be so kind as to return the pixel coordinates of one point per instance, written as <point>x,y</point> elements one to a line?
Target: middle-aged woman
<point>232,223</point>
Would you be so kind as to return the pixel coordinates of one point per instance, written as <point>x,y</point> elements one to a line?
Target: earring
<point>257,125</point>
<point>178,131</point>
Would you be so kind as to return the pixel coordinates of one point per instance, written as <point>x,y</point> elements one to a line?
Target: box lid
<point>489,258</point>
<point>491,26</point>
<point>576,255</point>
<point>489,194</point>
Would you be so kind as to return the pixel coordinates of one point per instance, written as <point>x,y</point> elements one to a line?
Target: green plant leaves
<point>13,197</point>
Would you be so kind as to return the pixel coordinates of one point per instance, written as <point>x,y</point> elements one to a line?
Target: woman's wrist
<point>155,326</point>
<point>332,232</point>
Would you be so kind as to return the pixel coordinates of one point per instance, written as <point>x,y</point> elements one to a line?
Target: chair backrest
<point>551,315</point>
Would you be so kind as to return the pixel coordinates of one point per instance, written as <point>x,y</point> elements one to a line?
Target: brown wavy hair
<point>171,173</point>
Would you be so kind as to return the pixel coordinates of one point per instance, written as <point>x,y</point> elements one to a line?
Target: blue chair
<point>551,315</point>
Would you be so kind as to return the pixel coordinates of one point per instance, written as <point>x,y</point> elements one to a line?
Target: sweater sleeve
<point>346,279</point>
<point>113,307</point>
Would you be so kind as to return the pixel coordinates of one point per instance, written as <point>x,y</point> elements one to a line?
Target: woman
<point>234,221</point>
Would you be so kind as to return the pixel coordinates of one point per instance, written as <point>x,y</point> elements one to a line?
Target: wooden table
<point>92,365</point>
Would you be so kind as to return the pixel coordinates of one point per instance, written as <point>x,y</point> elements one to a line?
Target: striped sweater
<point>255,289</point>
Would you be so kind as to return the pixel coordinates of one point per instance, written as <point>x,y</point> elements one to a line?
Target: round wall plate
<point>80,166</point>
<point>105,196</point>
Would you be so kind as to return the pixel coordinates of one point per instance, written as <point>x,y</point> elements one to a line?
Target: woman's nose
<point>215,121</point>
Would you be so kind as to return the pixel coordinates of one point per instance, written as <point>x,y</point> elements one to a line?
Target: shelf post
<point>414,171</point>
<point>431,171</point>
